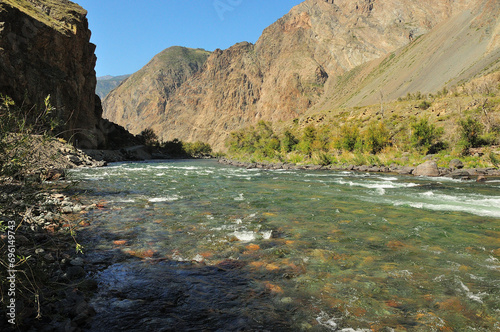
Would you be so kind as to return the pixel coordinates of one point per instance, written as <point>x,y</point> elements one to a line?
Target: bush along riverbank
<point>448,134</point>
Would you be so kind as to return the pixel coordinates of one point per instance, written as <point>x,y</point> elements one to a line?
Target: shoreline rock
<point>45,236</point>
<point>427,168</point>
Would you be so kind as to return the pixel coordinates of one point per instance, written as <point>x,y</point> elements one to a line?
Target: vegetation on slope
<point>54,13</point>
<point>463,122</point>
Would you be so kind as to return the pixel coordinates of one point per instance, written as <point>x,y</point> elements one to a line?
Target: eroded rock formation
<point>45,50</point>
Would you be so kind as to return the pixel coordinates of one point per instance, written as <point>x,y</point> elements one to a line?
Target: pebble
<point>67,209</point>
<point>49,258</point>
<point>78,261</point>
<point>74,272</point>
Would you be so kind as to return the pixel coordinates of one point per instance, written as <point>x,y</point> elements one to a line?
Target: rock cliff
<point>296,65</point>
<point>45,50</point>
<point>141,99</point>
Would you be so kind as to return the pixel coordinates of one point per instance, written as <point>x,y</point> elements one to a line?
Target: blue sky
<point>128,33</point>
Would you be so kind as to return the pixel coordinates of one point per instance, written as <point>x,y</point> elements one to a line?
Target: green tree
<point>197,149</point>
<point>149,137</point>
<point>288,141</point>
<point>349,137</point>
<point>308,137</point>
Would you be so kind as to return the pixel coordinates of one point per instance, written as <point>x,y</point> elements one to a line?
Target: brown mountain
<point>45,50</point>
<point>320,55</point>
<point>140,99</point>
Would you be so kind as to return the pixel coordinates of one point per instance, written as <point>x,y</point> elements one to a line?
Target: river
<point>195,245</point>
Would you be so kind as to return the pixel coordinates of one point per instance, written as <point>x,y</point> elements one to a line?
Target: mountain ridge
<point>105,84</point>
<point>302,62</point>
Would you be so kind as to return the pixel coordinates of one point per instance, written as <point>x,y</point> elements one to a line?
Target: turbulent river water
<point>199,246</point>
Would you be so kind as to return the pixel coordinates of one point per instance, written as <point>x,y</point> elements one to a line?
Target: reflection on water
<point>195,245</point>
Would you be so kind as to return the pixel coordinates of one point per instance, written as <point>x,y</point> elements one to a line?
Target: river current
<point>199,246</point>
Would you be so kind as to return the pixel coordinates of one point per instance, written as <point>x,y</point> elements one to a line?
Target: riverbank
<point>50,288</point>
<point>45,284</point>
<point>428,167</point>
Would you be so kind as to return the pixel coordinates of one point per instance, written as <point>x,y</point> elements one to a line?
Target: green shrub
<point>21,129</point>
<point>359,159</point>
<point>259,140</point>
<point>470,130</point>
<point>424,134</point>
<point>424,105</point>
<point>174,147</point>
<point>288,141</point>
<point>323,159</point>
<point>494,159</point>
<point>377,137</point>
<point>198,149</point>
<point>349,137</point>
<point>309,134</point>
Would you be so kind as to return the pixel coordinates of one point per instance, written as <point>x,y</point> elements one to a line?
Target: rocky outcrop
<point>298,64</point>
<point>141,99</point>
<point>45,50</point>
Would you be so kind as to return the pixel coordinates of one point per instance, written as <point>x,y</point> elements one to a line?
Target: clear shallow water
<point>221,248</point>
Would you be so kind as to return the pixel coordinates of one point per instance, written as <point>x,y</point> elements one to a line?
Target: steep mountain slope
<point>318,53</point>
<point>138,101</point>
<point>45,50</point>
<point>107,83</point>
<point>455,51</point>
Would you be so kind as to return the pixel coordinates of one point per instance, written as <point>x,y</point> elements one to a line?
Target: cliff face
<point>140,99</point>
<point>45,50</point>
<point>293,67</point>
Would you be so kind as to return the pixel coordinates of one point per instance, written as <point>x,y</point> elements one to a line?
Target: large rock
<point>429,168</point>
<point>45,50</point>
<point>456,164</point>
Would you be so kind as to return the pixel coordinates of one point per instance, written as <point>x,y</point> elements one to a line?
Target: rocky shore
<point>39,227</point>
<point>52,286</point>
<point>428,168</point>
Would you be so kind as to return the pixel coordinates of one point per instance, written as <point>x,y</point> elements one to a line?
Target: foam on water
<point>129,200</point>
<point>164,199</point>
<point>459,207</point>
<point>245,236</point>
<point>239,198</point>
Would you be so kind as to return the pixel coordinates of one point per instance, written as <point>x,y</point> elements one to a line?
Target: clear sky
<point>128,33</point>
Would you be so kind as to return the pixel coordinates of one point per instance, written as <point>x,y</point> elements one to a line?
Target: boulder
<point>481,179</point>
<point>429,168</point>
<point>405,170</point>
<point>459,174</point>
<point>456,164</point>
